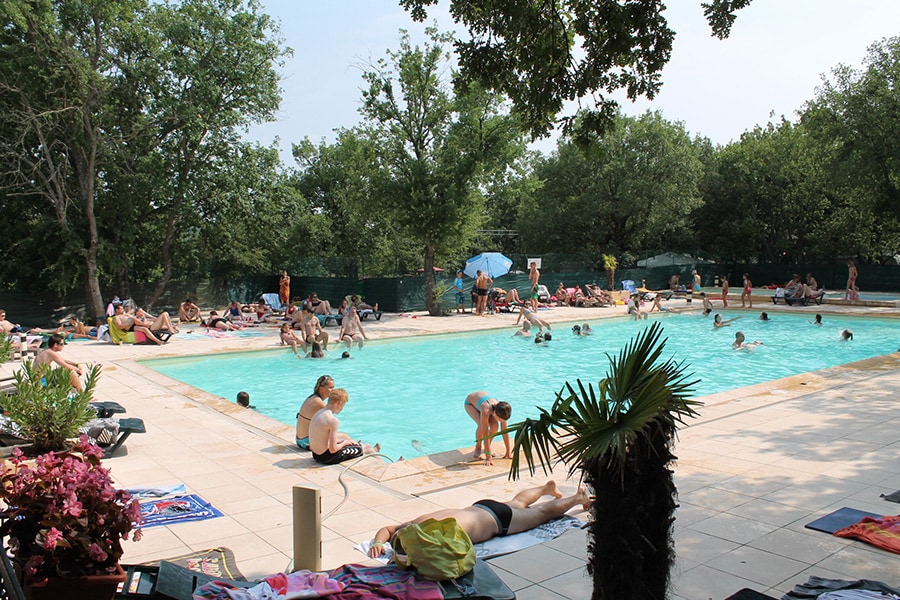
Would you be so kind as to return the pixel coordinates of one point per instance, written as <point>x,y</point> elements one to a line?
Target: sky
<point>771,64</point>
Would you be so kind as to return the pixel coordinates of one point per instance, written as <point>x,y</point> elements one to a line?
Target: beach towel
<point>157,492</point>
<point>218,563</point>
<point>390,581</point>
<point>177,509</point>
<point>883,532</point>
<point>500,545</point>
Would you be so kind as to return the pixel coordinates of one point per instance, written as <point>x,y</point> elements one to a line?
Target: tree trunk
<point>431,303</point>
<point>630,550</point>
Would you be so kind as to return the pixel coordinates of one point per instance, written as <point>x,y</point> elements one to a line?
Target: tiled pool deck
<point>757,465</point>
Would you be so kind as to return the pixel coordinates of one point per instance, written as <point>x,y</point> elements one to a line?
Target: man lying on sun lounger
<point>488,518</point>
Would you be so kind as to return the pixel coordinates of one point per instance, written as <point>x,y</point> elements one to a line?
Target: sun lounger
<point>336,317</point>
<point>126,428</point>
<point>802,300</point>
<point>364,314</point>
<point>274,302</point>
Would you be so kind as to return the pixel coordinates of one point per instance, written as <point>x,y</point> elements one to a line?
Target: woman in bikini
<point>491,415</point>
<point>313,404</point>
<point>216,322</point>
<point>852,291</point>
<point>746,293</point>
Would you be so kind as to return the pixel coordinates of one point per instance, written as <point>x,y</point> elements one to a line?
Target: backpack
<point>439,550</point>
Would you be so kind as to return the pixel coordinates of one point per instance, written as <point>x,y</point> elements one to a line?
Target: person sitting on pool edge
<point>487,518</point>
<point>490,415</point>
<point>328,445</point>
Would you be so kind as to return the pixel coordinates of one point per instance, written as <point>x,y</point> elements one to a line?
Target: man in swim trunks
<point>487,519</point>
<point>52,356</point>
<point>328,445</point>
<point>483,285</point>
<point>534,276</point>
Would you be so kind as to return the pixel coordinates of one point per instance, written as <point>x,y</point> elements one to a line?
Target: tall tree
<point>527,51</point>
<point>61,71</point>
<point>111,109</point>
<point>635,185</point>
<point>434,148</point>
<point>764,198</point>
<point>855,117</point>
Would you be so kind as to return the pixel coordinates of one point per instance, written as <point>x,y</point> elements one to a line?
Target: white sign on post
<point>536,261</point>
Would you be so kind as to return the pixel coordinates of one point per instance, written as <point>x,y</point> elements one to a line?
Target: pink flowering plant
<point>63,516</point>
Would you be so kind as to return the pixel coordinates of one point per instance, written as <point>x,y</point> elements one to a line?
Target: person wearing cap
<point>111,307</point>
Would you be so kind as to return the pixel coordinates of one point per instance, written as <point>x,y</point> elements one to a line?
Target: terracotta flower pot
<point>88,587</point>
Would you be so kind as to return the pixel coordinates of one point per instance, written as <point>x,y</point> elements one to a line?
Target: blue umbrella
<point>492,263</point>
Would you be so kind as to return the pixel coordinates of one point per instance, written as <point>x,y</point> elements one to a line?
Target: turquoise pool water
<point>408,393</point>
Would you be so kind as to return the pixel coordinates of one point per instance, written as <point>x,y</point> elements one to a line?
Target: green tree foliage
<point>434,149</point>
<point>620,434</point>
<point>117,118</point>
<point>764,198</point>
<point>636,185</point>
<point>348,211</point>
<point>527,51</point>
<point>855,120</point>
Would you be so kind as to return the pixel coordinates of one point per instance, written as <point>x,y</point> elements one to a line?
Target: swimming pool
<point>408,393</point>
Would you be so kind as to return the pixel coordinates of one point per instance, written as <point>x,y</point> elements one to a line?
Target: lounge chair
<point>628,286</point>
<point>338,318</point>
<point>274,302</point>
<point>364,314</point>
<point>543,293</point>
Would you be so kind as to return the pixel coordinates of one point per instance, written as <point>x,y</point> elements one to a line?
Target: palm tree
<point>621,435</point>
<point>610,264</point>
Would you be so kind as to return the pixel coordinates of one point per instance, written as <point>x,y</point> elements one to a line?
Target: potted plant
<point>46,409</point>
<point>64,522</point>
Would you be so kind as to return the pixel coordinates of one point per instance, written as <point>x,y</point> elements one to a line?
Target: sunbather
<point>188,312</point>
<point>358,303</point>
<point>562,296</point>
<point>263,312</point>
<point>155,324</point>
<point>487,519</point>
<point>51,355</point>
<point>313,404</point>
<point>126,322</point>
<point>221,323</point>
<point>7,327</point>
<point>79,330</point>
<point>320,307</point>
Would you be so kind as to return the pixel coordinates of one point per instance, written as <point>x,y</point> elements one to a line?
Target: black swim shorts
<point>502,513</point>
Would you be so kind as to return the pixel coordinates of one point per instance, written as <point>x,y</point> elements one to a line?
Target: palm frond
<point>587,424</point>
